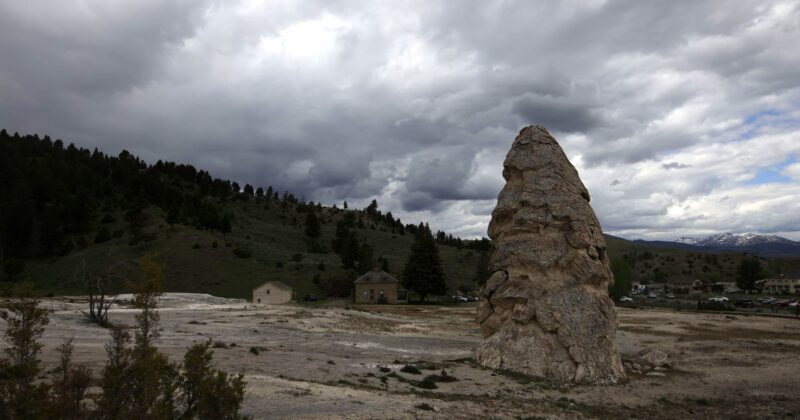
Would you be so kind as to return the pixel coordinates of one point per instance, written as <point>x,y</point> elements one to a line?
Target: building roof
<point>275,284</point>
<point>376,276</point>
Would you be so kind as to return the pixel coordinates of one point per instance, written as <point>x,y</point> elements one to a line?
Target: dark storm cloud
<point>555,114</point>
<point>415,104</point>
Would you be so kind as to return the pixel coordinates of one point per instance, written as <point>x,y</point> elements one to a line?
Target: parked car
<point>473,299</point>
<point>670,296</point>
<point>720,299</point>
<point>767,300</point>
<point>460,299</point>
<point>310,298</point>
<point>744,303</point>
<point>652,296</point>
<point>782,302</point>
<point>626,299</point>
<point>794,304</point>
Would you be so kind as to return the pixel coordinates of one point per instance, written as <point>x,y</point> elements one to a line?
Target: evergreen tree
<point>423,271</point>
<point>260,192</point>
<point>313,228</point>
<point>748,272</point>
<point>365,258</point>
<point>173,216</point>
<point>481,269</point>
<point>623,279</point>
<point>350,251</point>
<point>248,190</point>
<point>21,396</point>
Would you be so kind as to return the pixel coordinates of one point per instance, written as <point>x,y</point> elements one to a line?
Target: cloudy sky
<point>682,117</point>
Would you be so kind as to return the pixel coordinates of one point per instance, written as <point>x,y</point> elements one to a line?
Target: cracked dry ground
<point>316,362</point>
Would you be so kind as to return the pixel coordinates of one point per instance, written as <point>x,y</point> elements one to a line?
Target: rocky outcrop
<point>545,311</point>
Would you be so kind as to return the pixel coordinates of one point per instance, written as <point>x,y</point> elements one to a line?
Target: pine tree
<point>313,229</point>
<point>423,271</point>
<point>481,269</point>
<point>748,273</point>
<point>623,279</point>
<point>350,251</point>
<point>20,395</point>
<point>173,216</point>
<point>365,261</point>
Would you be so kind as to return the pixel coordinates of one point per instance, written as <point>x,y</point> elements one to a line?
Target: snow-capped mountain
<point>745,242</point>
<point>734,240</point>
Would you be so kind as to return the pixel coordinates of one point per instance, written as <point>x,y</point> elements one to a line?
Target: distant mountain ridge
<point>754,243</point>
<point>735,240</point>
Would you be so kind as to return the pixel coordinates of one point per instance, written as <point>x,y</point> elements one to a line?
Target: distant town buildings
<point>782,286</point>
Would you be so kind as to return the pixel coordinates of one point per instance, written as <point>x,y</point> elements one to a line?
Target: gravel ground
<point>339,362</point>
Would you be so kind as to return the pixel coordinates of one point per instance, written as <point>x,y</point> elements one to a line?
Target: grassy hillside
<point>193,263</point>
<point>204,261</point>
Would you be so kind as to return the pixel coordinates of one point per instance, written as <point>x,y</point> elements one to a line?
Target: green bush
<point>426,383</point>
<point>242,252</point>
<point>410,369</point>
<point>103,235</point>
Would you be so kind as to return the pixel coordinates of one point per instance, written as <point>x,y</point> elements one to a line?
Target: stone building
<point>272,292</point>
<point>374,284</point>
<point>781,286</point>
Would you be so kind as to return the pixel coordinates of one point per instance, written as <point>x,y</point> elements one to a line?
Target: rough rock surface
<point>545,310</point>
<point>655,357</point>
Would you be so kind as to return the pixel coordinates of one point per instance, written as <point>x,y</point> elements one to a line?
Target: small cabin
<point>271,293</point>
<point>376,284</point>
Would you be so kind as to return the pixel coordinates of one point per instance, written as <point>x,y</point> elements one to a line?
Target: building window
<point>381,292</point>
<point>267,291</point>
<point>259,300</point>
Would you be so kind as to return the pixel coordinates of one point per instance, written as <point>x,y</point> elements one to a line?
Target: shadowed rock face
<point>545,311</point>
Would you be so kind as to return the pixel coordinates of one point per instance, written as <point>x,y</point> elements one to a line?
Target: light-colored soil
<point>318,362</point>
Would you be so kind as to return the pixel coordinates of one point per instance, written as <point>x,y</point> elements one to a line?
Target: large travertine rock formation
<point>545,311</point>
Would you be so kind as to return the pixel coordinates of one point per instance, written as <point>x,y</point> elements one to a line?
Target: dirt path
<point>326,362</point>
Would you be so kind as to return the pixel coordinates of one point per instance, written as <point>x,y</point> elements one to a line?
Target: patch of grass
<point>384,369</point>
<point>220,345</point>
<point>410,369</point>
<point>441,377</point>
<point>424,406</point>
<point>197,323</point>
<point>331,362</point>
<point>426,383</point>
<point>702,401</point>
<point>257,350</point>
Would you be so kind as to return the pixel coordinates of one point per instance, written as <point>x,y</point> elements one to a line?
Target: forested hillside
<point>69,216</point>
